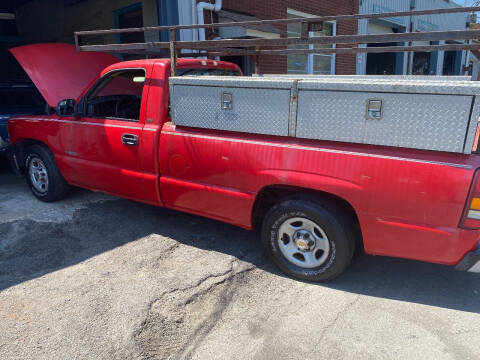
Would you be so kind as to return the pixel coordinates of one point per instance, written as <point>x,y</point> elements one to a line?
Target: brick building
<point>32,21</point>
<point>238,10</point>
<point>419,63</point>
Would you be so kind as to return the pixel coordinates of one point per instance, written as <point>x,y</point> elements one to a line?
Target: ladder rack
<point>345,44</point>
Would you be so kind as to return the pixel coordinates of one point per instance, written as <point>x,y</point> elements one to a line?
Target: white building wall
<point>187,16</point>
<point>438,22</point>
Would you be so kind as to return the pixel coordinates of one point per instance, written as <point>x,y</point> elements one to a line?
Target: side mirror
<point>65,107</point>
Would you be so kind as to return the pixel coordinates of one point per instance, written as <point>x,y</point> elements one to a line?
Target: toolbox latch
<point>227,101</point>
<point>374,109</point>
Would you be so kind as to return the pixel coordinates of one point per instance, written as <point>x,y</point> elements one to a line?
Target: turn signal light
<point>476,147</point>
<point>471,213</point>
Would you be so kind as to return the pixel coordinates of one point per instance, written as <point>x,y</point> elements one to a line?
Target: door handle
<point>129,139</point>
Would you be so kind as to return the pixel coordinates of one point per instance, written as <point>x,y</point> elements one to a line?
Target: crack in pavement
<point>130,242</point>
<point>343,312</point>
<point>340,314</point>
<point>167,331</point>
<point>206,327</point>
<point>168,251</point>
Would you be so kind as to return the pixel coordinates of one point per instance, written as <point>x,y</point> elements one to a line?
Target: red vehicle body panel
<point>408,202</point>
<point>59,71</point>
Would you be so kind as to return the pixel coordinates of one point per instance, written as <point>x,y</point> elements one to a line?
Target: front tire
<point>308,240</point>
<point>42,174</point>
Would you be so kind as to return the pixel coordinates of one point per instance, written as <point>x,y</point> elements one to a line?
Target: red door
<point>103,148</point>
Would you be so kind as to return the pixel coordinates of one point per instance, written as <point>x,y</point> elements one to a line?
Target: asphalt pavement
<point>98,277</point>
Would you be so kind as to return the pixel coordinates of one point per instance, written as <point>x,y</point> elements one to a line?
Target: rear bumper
<point>470,262</point>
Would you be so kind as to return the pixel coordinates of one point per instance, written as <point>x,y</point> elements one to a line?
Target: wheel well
<point>19,150</point>
<point>271,195</point>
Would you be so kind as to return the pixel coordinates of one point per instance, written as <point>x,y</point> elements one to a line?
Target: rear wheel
<point>308,240</point>
<point>43,176</point>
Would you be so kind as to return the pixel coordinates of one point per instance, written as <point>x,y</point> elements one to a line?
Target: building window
<point>384,63</point>
<point>381,63</point>
<point>8,25</point>
<point>421,63</point>
<point>452,61</point>
<point>319,64</point>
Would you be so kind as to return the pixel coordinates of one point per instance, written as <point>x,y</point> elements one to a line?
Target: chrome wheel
<point>38,174</point>
<point>303,242</point>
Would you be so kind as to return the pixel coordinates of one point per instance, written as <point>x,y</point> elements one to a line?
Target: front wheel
<point>308,240</point>
<point>43,176</point>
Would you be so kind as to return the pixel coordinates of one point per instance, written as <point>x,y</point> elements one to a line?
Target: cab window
<point>207,72</point>
<point>117,96</point>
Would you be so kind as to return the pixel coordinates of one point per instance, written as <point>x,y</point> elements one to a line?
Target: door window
<point>117,96</point>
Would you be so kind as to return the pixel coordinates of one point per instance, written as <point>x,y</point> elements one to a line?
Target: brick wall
<point>277,9</point>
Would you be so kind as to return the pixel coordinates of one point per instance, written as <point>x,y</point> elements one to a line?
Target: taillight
<point>476,147</point>
<point>471,213</point>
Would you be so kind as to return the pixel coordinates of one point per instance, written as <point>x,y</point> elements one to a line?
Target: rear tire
<point>42,174</point>
<point>308,240</point>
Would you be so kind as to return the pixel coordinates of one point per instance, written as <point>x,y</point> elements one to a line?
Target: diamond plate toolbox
<point>241,104</point>
<point>437,114</point>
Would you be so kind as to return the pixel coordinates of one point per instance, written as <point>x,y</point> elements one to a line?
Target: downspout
<point>200,19</point>
<point>194,20</point>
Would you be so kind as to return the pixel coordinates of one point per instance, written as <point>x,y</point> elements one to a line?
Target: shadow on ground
<point>30,249</point>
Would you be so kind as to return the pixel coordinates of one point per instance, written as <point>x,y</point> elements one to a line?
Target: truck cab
<point>105,129</point>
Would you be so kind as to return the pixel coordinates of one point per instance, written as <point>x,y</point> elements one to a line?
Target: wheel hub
<point>304,240</point>
<point>38,174</point>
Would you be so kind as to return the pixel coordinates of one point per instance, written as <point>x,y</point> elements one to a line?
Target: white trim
<point>361,58</point>
<point>378,28</point>
<point>475,268</point>
<point>473,214</point>
<point>7,16</point>
<point>262,34</point>
<point>318,149</point>
<point>299,13</point>
<point>80,122</point>
<point>334,56</point>
<point>254,142</point>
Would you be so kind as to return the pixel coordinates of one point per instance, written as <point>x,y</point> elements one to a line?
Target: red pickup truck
<point>315,201</point>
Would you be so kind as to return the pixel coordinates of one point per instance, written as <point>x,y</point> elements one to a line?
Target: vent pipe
<point>200,18</point>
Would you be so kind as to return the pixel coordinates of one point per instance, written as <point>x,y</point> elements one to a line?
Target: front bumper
<point>470,262</point>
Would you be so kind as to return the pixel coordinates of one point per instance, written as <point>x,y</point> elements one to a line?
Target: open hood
<point>60,71</point>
